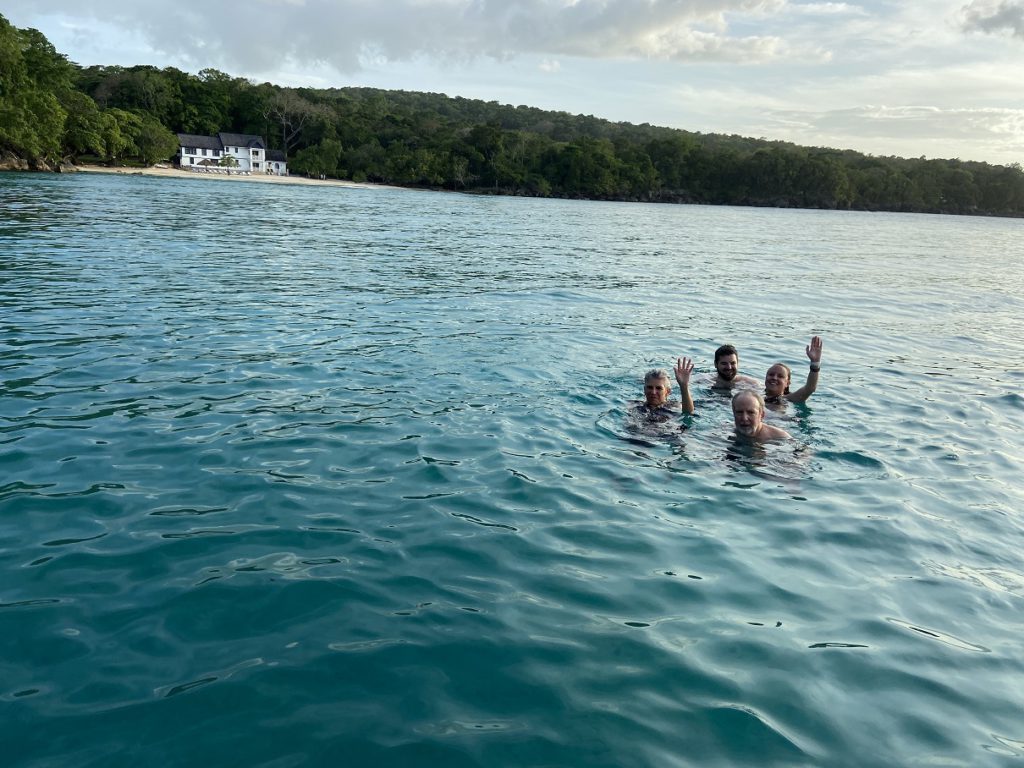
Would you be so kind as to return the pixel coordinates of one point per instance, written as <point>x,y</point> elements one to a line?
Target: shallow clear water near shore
<point>301,476</point>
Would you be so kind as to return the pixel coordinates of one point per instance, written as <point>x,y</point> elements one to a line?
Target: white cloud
<point>345,32</point>
<point>953,111</point>
<point>801,71</point>
<point>991,17</point>
<point>993,134</point>
<point>826,9</point>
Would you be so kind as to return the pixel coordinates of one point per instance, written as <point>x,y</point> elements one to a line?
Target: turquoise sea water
<point>297,476</point>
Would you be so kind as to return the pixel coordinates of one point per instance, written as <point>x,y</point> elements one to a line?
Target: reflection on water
<point>369,460</point>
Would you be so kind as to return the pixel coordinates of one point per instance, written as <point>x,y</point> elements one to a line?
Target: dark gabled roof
<point>277,155</point>
<point>242,140</point>
<point>200,142</point>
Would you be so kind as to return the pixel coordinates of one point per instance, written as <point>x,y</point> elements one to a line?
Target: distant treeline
<point>53,111</point>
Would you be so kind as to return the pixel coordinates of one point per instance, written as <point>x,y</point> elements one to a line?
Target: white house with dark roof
<point>277,162</point>
<point>250,153</point>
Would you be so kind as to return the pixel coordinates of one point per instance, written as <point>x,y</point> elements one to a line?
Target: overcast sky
<point>941,78</point>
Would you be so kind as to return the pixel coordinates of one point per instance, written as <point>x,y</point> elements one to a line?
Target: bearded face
<point>727,366</point>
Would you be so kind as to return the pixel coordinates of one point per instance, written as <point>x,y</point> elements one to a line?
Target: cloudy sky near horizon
<point>940,78</point>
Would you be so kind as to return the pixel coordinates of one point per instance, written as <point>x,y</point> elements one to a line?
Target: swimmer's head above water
<point>657,387</point>
<point>748,415</point>
<point>727,362</point>
<point>779,377</point>
<point>727,369</point>
<point>776,381</point>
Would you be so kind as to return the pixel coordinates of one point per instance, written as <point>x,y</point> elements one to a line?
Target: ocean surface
<point>296,476</point>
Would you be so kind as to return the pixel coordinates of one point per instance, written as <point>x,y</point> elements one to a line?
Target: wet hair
<point>726,350</point>
<point>656,373</point>
<point>789,376</point>
<point>752,393</point>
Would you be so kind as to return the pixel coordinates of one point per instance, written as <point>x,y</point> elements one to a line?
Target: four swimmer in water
<point>748,406</point>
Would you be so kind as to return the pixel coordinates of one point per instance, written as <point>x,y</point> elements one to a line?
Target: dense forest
<point>53,112</point>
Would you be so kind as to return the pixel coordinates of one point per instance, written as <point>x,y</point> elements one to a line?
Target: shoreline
<point>173,172</point>
<point>177,173</point>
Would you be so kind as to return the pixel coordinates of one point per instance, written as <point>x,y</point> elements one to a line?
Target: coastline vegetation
<point>54,112</point>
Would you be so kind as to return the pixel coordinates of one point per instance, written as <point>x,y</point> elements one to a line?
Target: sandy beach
<point>168,171</point>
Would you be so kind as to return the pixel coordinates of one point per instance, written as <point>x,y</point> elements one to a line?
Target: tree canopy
<point>53,110</point>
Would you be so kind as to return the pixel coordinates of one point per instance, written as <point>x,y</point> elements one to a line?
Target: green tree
<point>488,143</point>
<point>290,112</point>
<point>49,70</point>
<point>119,129</point>
<point>670,157</point>
<point>320,159</point>
<point>367,161</point>
<point>83,127</point>
<point>823,183</point>
<point>31,118</point>
<point>587,167</point>
<point>46,126</point>
<point>142,88</point>
<point>153,142</point>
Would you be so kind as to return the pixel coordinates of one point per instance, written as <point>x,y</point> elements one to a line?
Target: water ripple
<point>363,486</point>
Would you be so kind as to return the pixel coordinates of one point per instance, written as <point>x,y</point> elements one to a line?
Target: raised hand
<point>813,350</point>
<point>683,369</point>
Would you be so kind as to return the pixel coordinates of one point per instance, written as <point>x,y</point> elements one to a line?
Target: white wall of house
<point>241,155</point>
<point>190,156</point>
<point>247,159</point>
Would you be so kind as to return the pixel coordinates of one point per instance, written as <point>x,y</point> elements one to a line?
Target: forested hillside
<point>54,112</point>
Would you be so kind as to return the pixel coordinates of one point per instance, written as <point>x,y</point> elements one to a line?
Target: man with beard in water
<point>748,415</point>
<point>658,387</point>
<point>727,368</point>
